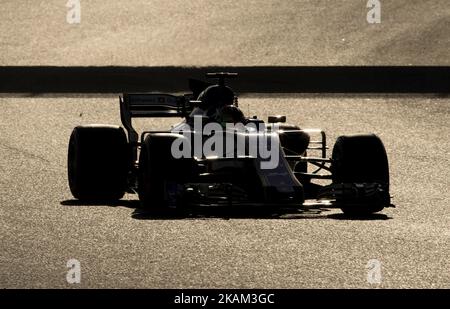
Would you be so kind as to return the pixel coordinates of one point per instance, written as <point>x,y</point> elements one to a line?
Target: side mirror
<point>275,119</point>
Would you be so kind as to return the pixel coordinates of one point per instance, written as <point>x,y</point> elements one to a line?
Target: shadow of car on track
<point>120,203</point>
<point>205,212</point>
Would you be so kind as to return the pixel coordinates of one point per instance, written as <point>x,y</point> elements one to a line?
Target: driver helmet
<point>216,96</point>
<point>226,114</point>
<point>231,114</point>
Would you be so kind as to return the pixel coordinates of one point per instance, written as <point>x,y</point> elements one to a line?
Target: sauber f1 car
<point>217,156</point>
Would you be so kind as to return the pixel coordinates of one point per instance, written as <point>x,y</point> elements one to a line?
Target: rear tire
<point>98,162</point>
<point>361,159</point>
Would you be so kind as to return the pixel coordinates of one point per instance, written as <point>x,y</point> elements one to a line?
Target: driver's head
<point>231,114</point>
<point>226,114</point>
<point>216,96</point>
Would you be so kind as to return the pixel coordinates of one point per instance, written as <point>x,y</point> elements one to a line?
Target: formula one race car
<point>217,156</point>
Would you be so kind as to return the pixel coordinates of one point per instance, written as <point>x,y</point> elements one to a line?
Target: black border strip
<point>258,79</point>
<point>287,298</point>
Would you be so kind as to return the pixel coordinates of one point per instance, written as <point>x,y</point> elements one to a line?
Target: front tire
<point>361,159</point>
<point>160,174</point>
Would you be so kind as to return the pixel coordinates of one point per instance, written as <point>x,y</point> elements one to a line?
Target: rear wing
<point>133,105</point>
<point>154,105</point>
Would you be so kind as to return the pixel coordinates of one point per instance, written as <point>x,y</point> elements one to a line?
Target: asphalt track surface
<point>41,227</point>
